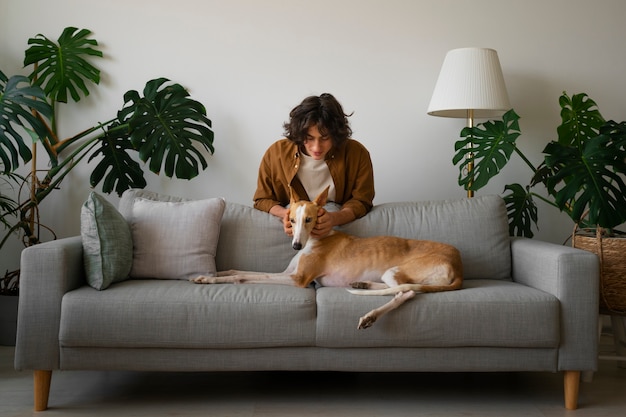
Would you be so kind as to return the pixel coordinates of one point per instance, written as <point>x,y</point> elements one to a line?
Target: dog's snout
<point>297,245</point>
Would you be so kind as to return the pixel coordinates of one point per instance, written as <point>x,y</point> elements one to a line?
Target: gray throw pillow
<point>107,242</point>
<point>175,240</point>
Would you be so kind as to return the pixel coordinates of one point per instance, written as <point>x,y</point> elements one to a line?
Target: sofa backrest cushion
<point>254,240</point>
<point>477,226</point>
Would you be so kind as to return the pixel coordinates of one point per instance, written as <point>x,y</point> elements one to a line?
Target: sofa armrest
<point>572,275</point>
<point>48,271</point>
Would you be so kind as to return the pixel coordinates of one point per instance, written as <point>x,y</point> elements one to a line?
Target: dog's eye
<point>292,220</point>
<point>308,220</point>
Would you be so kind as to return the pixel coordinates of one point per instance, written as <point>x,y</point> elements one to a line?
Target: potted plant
<point>583,174</point>
<point>162,127</point>
<point>9,288</point>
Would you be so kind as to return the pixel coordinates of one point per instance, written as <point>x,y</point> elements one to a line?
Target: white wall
<point>251,61</point>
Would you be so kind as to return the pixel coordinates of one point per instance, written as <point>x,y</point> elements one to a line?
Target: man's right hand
<point>287,224</point>
<point>283,213</point>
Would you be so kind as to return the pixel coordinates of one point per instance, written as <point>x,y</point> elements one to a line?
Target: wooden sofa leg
<point>571,382</point>
<point>42,389</point>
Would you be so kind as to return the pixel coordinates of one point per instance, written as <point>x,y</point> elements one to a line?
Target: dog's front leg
<point>399,299</point>
<point>244,277</point>
<point>230,276</point>
<point>218,279</point>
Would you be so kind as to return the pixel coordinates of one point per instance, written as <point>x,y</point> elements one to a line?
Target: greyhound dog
<point>381,265</point>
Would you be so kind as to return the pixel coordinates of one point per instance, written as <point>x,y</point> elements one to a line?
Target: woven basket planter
<point>612,253</point>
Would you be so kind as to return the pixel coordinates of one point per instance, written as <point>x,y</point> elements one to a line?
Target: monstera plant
<point>161,128</point>
<point>582,170</point>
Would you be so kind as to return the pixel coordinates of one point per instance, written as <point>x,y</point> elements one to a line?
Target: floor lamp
<point>470,86</point>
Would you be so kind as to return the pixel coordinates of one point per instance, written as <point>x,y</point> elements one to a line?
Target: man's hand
<point>283,214</point>
<point>324,224</point>
<point>287,224</point>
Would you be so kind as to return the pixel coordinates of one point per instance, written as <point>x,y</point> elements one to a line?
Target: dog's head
<point>303,218</point>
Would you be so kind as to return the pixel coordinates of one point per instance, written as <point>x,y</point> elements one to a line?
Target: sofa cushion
<point>175,239</point>
<point>125,206</point>
<point>485,313</point>
<point>181,314</point>
<point>107,242</point>
<point>477,227</point>
<point>252,240</point>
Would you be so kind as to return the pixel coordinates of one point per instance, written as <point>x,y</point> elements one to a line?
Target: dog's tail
<point>418,288</point>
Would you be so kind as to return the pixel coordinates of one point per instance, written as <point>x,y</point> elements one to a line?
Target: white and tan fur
<point>381,265</point>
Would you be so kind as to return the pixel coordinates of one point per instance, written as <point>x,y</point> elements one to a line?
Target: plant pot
<point>8,319</point>
<point>611,250</point>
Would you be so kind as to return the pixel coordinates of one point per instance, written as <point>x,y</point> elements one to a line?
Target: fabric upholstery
<point>302,358</point>
<point>125,206</point>
<point>176,314</point>
<point>179,314</point>
<point>246,230</point>
<point>107,242</point>
<point>491,313</point>
<point>175,240</point>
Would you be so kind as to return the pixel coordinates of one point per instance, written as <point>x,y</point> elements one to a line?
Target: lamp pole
<point>470,164</point>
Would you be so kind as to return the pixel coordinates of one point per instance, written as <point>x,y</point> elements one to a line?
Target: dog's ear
<point>292,196</point>
<point>321,199</point>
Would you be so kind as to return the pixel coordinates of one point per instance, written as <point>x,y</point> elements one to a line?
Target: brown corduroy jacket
<point>350,168</point>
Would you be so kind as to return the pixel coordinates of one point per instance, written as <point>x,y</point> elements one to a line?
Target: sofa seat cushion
<point>180,314</point>
<point>486,313</point>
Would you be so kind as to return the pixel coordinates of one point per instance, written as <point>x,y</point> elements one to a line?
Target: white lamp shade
<point>470,79</point>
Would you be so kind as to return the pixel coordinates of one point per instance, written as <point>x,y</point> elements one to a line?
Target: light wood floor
<point>88,393</point>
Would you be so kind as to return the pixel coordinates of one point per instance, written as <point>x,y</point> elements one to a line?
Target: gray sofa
<point>526,305</point>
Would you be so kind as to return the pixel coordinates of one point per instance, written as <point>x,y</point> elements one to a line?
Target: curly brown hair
<point>323,111</point>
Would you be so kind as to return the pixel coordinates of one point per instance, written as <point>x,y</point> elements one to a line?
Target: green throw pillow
<point>107,242</point>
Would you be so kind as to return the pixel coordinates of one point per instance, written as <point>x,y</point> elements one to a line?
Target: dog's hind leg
<point>399,299</point>
<point>388,279</point>
<point>368,285</point>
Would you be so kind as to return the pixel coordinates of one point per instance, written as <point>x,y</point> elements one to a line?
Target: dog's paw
<point>366,322</point>
<point>405,296</point>
<point>203,280</point>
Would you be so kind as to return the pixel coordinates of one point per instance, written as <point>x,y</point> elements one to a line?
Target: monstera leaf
<point>17,98</point>
<point>60,68</point>
<point>488,146</point>
<point>521,210</point>
<point>580,120</point>
<point>165,126</point>
<point>617,131</point>
<point>587,164</point>
<point>116,167</point>
<point>587,181</point>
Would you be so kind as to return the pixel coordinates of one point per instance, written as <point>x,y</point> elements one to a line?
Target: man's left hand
<point>324,224</point>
